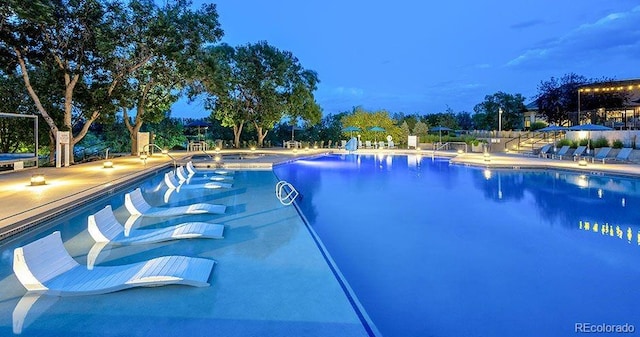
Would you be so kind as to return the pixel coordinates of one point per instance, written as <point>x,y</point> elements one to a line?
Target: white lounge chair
<point>136,204</point>
<point>186,178</point>
<point>391,145</point>
<point>172,182</point>
<point>184,174</point>
<point>192,170</point>
<point>45,266</point>
<point>104,227</point>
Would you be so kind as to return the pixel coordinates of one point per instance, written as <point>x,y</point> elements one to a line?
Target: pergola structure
<point>626,116</point>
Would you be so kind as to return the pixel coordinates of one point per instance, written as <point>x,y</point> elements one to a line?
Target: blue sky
<point>423,57</point>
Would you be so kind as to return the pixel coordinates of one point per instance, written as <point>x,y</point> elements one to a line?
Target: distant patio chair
<point>601,155</point>
<point>577,154</point>
<point>544,151</point>
<point>367,144</point>
<point>623,155</point>
<point>561,153</point>
<point>391,145</point>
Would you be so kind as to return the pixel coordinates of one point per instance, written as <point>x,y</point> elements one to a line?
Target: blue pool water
<point>433,249</point>
<point>269,279</point>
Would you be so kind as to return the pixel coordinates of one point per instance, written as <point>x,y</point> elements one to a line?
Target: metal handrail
<point>286,197</point>
<point>205,152</point>
<point>175,161</point>
<point>433,155</point>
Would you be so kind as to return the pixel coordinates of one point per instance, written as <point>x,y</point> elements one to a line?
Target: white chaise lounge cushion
<point>45,266</point>
<point>104,227</point>
<point>187,179</point>
<point>136,204</point>
<point>173,183</point>
<point>192,170</point>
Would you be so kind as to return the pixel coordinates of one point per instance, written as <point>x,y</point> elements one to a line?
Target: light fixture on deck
<point>165,151</point>
<point>107,164</point>
<point>487,156</point>
<point>460,151</point>
<point>38,179</point>
<point>253,148</point>
<point>582,162</point>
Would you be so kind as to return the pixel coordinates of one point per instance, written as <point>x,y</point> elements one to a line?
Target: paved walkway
<point>23,205</point>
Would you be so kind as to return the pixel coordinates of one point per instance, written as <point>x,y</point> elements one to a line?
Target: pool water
<point>433,249</point>
<point>269,280</point>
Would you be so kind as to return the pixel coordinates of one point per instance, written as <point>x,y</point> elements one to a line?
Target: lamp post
<point>499,120</point>
<point>579,90</point>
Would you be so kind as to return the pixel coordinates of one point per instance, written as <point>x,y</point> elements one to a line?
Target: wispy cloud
<point>527,24</point>
<point>614,34</point>
<point>347,91</point>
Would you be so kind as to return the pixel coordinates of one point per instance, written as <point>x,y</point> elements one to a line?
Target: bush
<point>563,142</point>
<point>617,144</point>
<point>537,126</point>
<point>584,142</point>
<point>600,142</point>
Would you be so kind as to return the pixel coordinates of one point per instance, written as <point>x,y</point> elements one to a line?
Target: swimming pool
<point>433,249</point>
<point>269,280</point>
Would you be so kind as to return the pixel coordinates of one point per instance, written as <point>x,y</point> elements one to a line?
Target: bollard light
<point>38,179</point>
<point>107,164</point>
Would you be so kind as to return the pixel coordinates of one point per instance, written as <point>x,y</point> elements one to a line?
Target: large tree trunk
<point>261,135</point>
<point>237,131</point>
<point>52,147</point>
<point>135,128</point>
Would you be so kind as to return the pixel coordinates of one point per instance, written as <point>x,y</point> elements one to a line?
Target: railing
<point>533,137</point>
<point>286,193</point>
<point>438,147</point>
<point>175,162</point>
<point>208,155</point>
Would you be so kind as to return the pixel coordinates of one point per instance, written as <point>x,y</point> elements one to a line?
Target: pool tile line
<point>366,321</point>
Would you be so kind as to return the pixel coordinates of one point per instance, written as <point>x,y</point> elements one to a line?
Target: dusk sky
<point>422,56</point>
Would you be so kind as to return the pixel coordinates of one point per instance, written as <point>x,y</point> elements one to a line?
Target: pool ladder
<point>286,193</point>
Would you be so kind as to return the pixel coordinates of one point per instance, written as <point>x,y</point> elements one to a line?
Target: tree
<point>366,120</point>
<point>421,129</point>
<point>512,107</point>
<point>446,119</point>
<point>70,40</point>
<point>259,84</point>
<point>556,98</point>
<point>166,42</point>
<point>219,80</point>
<point>464,120</point>
<point>14,132</point>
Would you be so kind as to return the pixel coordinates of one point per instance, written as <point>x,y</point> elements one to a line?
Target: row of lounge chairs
<point>580,153</point>
<point>45,267</point>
